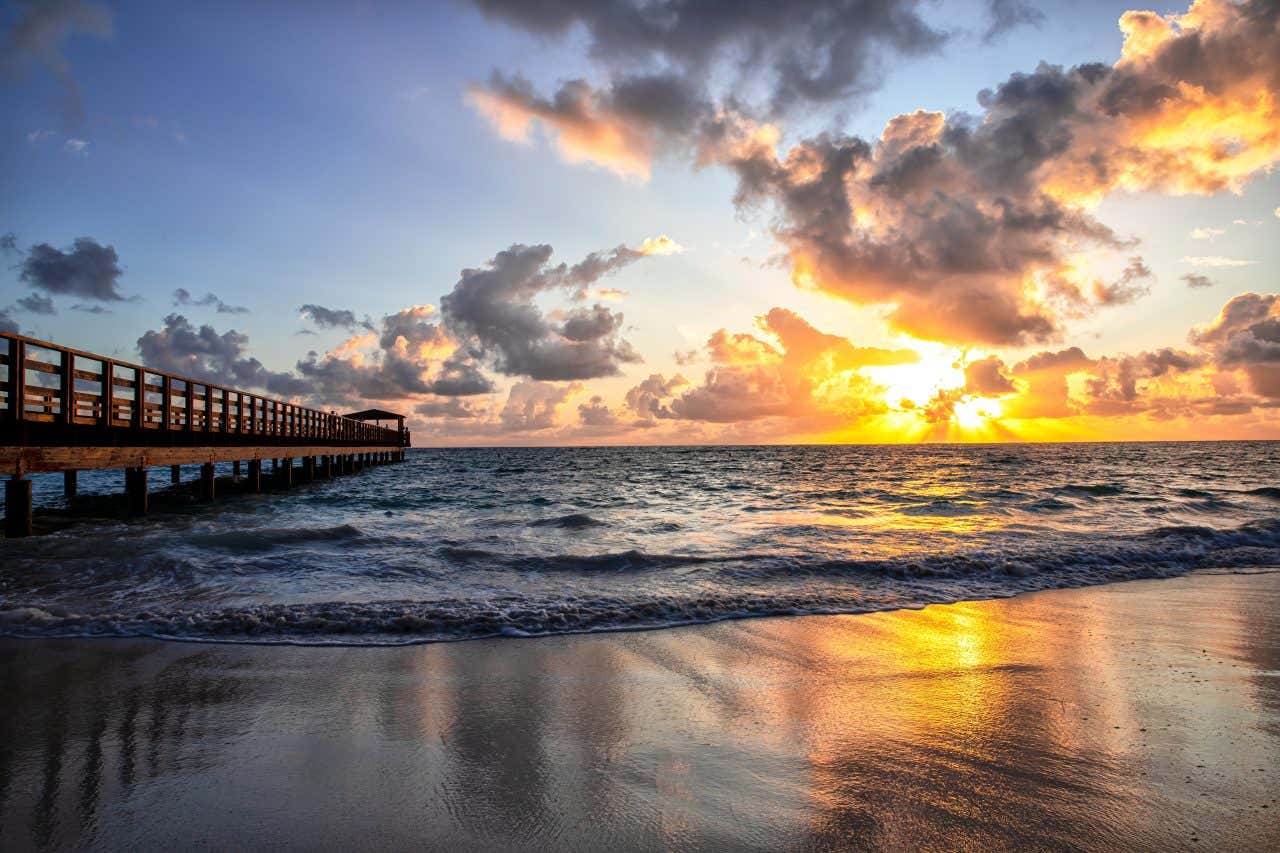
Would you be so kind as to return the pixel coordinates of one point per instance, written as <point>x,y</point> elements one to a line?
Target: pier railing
<point>55,394</point>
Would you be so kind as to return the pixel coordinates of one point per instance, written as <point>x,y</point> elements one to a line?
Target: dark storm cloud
<point>37,36</point>
<point>202,353</point>
<point>37,304</point>
<point>8,242</point>
<point>7,323</point>
<point>1006,15</point>
<point>182,297</point>
<point>804,51</point>
<point>492,311</point>
<point>334,318</point>
<point>88,270</point>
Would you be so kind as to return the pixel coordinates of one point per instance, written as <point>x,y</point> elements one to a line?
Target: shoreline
<point>1138,714</point>
<point>608,629</point>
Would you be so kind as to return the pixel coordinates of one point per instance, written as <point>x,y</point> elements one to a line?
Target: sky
<point>657,222</point>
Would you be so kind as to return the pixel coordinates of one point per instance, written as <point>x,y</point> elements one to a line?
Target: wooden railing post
<point>139,397</point>
<point>189,406</point>
<point>108,393</point>
<point>68,401</point>
<point>208,408</point>
<point>17,380</point>
<point>166,405</point>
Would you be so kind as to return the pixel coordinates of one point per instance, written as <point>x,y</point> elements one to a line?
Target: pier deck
<point>66,410</point>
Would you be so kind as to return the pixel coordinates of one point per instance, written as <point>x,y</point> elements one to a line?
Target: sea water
<point>464,543</point>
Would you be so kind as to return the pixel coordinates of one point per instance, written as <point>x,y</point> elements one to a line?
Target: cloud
<point>1113,382</point>
<point>660,245</point>
<point>450,408</point>
<point>1007,15</point>
<point>621,128</point>
<point>204,354</point>
<point>492,312</point>
<point>967,228</point>
<point>799,53</point>
<point>9,243</point>
<point>76,147</point>
<point>1246,336</point>
<point>1130,287</point>
<point>1196,280</point>
<point>596,413</point>
<point>1207,233</point>
<point>532,405</point>
<point>182,297</point>
<point>334,318</point>
<point>986,377</point>
<point>647,400</point>
<point>7,323</point>
<point>410,354</point>
<point>88,270</point>
<point>1214,261</point>
<point>37,36</point>
<point>36,304</point>
<point>807,374</point>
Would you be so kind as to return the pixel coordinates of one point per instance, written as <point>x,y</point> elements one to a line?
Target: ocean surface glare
<point>457,544</point>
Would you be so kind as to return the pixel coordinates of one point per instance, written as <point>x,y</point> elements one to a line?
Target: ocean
<point>455,544</point>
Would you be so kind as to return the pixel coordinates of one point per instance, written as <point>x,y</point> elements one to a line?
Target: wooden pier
<point>66,410</point>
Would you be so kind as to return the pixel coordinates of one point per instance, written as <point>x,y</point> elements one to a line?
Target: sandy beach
<point>1142,715</point>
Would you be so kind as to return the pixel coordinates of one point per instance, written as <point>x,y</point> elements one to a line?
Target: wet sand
<point>1143,715</point>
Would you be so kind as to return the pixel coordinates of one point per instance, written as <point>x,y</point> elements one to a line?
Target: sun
<point>919,381</point>
<point>975,412</point>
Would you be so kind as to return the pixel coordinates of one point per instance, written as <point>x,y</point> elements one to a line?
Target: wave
<point>413,622</point>
<point>1095,490</point>
<point>746,585</point>
<point>266,538</point>
<point>572,521</point>
<point>1271,492</point>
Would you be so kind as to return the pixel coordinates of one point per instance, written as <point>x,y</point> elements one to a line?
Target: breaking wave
<point>456,545</point>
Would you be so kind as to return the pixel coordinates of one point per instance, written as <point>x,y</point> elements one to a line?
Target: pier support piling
<point>206,481</point>
<point>308,469</point>
<point>253,482</point>
<point>135,490</point>
<point>175,474</point>
<point>69,486</point>
<point>286,473</point>
<point>235,470</point>
<point>17,507</point>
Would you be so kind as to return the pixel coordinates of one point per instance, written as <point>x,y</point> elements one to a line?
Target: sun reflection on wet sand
<point>1143,715</point>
